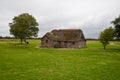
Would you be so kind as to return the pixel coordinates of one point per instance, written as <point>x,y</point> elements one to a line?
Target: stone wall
<point>67,38</point>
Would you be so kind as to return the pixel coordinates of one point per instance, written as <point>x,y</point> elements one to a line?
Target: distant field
<point>92,63</point>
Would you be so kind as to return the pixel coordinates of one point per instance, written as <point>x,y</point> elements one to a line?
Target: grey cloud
<point>91,16</point>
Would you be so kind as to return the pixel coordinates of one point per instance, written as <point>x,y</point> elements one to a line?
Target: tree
<point>24,26</point>
<point>116,24</point>
<point>106,36</point>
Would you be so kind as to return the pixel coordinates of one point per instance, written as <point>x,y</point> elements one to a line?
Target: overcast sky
<point>92,16</point>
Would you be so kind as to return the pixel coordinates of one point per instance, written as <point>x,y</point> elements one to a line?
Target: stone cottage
<point>64,38</point>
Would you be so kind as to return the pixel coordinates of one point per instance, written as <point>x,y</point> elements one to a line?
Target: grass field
<point>92,63</point>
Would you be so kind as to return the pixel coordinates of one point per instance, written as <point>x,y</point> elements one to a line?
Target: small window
<point>46,41</point>
<point>65,42</point>
<point>59,42</point>
<point>82,37</point>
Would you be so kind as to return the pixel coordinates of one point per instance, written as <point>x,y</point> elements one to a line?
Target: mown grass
<point>92,63</point>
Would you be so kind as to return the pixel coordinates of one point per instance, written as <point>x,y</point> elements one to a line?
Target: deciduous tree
<point>106,36</point>
<point>24,26</point>
<point>116,24</point>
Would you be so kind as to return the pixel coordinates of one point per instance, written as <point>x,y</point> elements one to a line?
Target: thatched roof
<point>66,35</point>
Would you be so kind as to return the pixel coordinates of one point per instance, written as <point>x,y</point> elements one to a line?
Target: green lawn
<point>92,63</point>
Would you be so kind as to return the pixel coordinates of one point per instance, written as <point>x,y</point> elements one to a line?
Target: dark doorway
<point>57,44</point>
<point>65,44</point>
